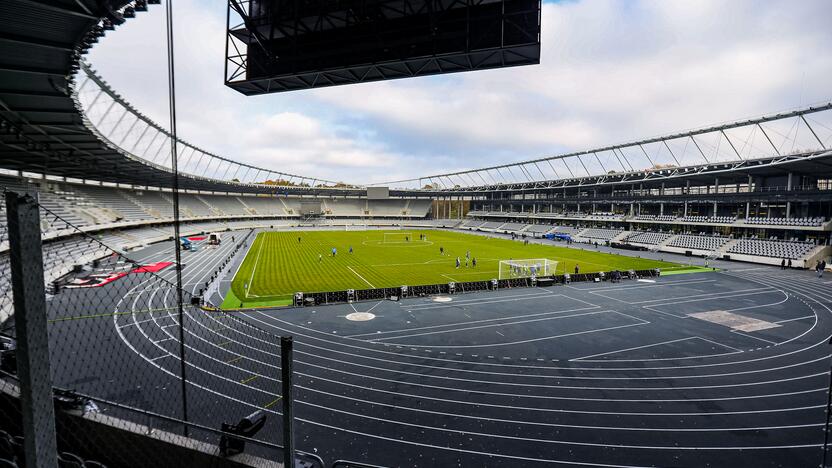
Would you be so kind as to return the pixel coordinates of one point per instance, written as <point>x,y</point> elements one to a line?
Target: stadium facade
<point>755,190</point>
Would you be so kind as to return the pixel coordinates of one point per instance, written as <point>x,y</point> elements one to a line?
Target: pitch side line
<point>256,260</point>
<point>241,261</point>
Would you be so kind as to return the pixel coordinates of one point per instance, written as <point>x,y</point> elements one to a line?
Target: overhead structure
<point>801,136</point>
<point>47,129</point>
<point>283,45</point>
<point>118,123</point>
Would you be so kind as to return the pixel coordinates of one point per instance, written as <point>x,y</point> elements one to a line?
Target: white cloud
<point>610,72</point>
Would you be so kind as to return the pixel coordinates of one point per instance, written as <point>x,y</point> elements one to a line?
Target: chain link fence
<point>131,369</point>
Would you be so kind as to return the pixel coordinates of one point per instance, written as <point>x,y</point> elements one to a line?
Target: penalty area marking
<point>362,278</point>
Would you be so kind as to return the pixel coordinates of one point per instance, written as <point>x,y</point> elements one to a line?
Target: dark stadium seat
<point>17,444</point>
<point>7,449</point>
<point>69,460</point>
<point>94,464</point>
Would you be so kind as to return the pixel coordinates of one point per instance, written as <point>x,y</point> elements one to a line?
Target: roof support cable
<point>549,161</point>
<point>580,159</point>
<point>599,162</point>
<point>731,143</point>
<point>700,149</point>
<point>813,132</point>
<point>678,164</point>
<point>773,146</point>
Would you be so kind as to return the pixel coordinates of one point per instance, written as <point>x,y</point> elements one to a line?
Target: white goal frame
<point>400,237</point>
<point>527,268</point>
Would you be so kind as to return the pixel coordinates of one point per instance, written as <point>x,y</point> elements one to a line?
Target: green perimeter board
<point>277,265</point>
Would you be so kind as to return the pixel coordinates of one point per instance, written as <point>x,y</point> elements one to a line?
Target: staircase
<point>249,209</point>
<point>151,211</point>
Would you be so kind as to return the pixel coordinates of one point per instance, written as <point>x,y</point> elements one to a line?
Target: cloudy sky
<point>611,71</point>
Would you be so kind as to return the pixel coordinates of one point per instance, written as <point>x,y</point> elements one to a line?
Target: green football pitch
<point>278,264</point>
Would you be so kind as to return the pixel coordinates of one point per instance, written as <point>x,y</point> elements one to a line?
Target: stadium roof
<point>42,128</point>
<point>52,121</point>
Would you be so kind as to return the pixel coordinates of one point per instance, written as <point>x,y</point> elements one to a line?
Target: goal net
<point>399,237</point>
<point>527,268</point>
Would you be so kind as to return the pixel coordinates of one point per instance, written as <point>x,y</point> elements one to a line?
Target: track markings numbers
<point>734,321</point>
<point>646,281</point>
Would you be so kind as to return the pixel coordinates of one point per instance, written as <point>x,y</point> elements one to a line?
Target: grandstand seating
<point>708,219</point>
<point>652,238</point>
<point>539,228</point>
<point>808,222</point>
<point>192,206</point>
<point>709,243</point>
<point>472,224</point>
<point>772,248</point>
<point>491,225</point>
<point>600,234</point>
<point>664,218</point>
<point>512,227</point>
<point>263,206</point>
<point>12,455</point>
<point>572,231</point>
<point>156,204</point>
<point>114,200</point>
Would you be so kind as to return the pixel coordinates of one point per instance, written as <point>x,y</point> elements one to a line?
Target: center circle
<point>360,316</point>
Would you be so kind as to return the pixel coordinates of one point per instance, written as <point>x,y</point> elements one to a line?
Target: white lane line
<point>755,337</point>
<point>339,346</point>
<point>553,337</point>
<point>362,278</point>
<point>720,344</point>
<point>656,285</point>
<point>633,348</point>
<point>673,300</point>
<point>508,317</point>
<point>793,319</point>
<point>243,259</point>
<point>654,307</point>
<point>477,327</point>
<point>492,419</point>
<point>482,300</point>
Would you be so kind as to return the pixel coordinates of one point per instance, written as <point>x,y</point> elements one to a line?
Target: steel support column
<point>286,368</point>
<point>33,370</point>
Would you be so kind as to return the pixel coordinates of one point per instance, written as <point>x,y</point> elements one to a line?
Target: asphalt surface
<point>592,374</point>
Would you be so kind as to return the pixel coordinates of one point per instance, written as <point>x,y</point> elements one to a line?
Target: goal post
<point>527,268</point>
<point>397,237</point>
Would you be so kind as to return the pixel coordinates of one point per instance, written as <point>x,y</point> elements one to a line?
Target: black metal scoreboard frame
<point>284,45</point>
